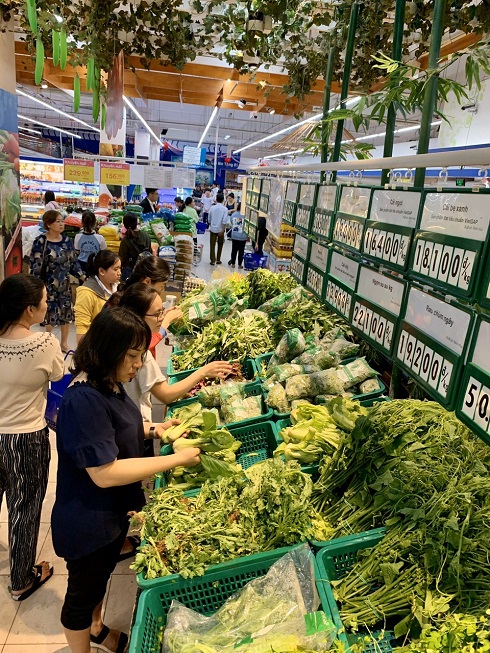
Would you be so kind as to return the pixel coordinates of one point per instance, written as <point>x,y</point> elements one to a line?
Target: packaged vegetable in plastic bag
<point>276,612</point>
<point>319,357</point>
<point>277,399</point>
<point>291,345</point>
<point>355,372</point>
<point>310,385</point>
<point>282,301</point>
<point>239,409</point>
<point>344,348</point>
<point>284,371</point>
<point>209,396</point>
<point>231,392</point>
<point>370,385</point>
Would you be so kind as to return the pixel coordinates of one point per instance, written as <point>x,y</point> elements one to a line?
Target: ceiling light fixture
<point>278,156</point>
<point>241,103</point>
<point>211,118</point>
<point>43,124</point>
<point>271,111</point>
<point>32,131</point>
<point>227,137</point>
<point>397,131</point>
<point>142,120</point>
<point>62,113</point>
<point>44,85</point>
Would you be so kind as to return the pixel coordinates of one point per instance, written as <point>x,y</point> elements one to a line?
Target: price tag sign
<point>348,231</point>
<point>116,174</point>
<point>254,217</point>
<point>473,402</point>
<point>255,200</point>
<point>305,206</point>
<point>389,229</point>
<point>158,177</point>
<point>256,184</point>
<point>316,272</point>
<point>79,170</point>
<point>451,241</point>
<point>322,215</point>
<point>250,230</point>
<point>377,306</point>
<point>432,342</point>
<point>354,200</point>
<point>319,257</point>
<point>298,267</point>
<point>341,283</point>
<point>290,203</point>
<point>264,195</point>
<point>301,246</point>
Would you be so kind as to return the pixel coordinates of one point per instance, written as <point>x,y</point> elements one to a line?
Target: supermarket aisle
<point>33,626</point>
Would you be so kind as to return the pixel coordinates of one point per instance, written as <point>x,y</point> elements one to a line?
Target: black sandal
<point>36,583</point>
<point>97,641</point>
<point>135,542</point>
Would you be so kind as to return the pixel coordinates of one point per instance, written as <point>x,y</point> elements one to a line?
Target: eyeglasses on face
<point>157,315</point>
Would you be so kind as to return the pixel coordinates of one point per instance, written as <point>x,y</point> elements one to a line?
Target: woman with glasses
<point>53,259</point>
<point>100,435</point>
<point>144,301</point>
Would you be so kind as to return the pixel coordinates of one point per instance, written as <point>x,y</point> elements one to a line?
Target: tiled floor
<point>33,626</point>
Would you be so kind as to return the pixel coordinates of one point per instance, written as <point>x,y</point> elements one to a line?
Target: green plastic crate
<point>258,444</point>
<point>334,560</point>
<point>205,594</point>
<point>368,403</point>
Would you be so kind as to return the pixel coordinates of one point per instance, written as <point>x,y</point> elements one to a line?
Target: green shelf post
<point>326,108</point>
<point>430,97</point>
<point>349,53</point>
<point>396,55</point>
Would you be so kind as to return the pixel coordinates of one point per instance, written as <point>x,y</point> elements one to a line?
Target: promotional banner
<point>114,174</point>
<point>79,170</point>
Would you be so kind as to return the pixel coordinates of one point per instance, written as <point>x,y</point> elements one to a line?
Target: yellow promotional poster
<point>78,170</point>
<point>114,174</point>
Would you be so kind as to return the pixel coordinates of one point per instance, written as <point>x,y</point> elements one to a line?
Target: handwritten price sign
<point>78,170</point>
<point>114,174</point>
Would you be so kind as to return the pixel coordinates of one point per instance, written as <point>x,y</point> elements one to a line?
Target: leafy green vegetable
<point>264,285</point>
<point>266,508</point>
<point>310,316</point>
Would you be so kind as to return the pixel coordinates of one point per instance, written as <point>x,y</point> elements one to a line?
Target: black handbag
<point>44,266</point>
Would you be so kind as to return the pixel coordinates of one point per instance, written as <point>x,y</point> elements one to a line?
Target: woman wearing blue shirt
<point>100,436</point>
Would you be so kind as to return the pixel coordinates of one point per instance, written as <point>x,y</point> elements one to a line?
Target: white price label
<point>307,194</point>
<point>292,191</point>
<point>314,281</point>
<point>321,223</point>
<point>301,246</point>
<point>465,215</point>
<point>476,403</point>
<point>355,200</point>
<point>348,232</point>
<point>319,256</point>
<point>297,269</point>
<point>344,269</point>
<point>375,326</point>
<point>395,207</point>
<point>326,197</point>
<point>451,265</point>
<point>481,354</point>
<point>425,363</point>
<point>303,217</point>
<point>380,289</point>
<point>339,298</point>
<point>288,214</point>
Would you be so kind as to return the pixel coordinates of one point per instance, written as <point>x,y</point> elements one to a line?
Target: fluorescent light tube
<point>278,156</point>
<point>211,118</point>
<point>43,124</point>
<point>32,131</point>
<point>140,117</point>
<point>62,113</point>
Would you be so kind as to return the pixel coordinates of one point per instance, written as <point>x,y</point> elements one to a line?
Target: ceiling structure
<point>182,101</point>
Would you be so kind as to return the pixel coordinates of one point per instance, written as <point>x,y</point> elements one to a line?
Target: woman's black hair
<point>150,267</point>
<point>89,222</point>
<point>130,221</point>
<point>231,195</point>
<point>111,335</point>
<point>49,196</point>
<point>104,259</point>
<point>138,298</point>
<point>49,217</point>
<point>188,201</point>
<point>17,293</point>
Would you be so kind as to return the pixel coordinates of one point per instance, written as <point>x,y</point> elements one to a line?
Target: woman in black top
<point>100,436</point>
<point>133,244</point>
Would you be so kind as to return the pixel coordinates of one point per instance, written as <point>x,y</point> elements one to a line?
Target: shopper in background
<point>230,203</point>
<point>150,203</point>
<point>197,192</point>
<point>218,219</point>
<point>191,211</point>
<point>28,360</point>
<point>53,259</point>
<point>100,436</point>
<point>88,240</point>
<point>155,272</point>
<point>261,235</point>
<point>50,203</point>
<point>133,244</point>
<point>207,202</point>
<point>238,240</point>
<point>104,273</point>
<point>147,303</point>
<point>214,191</point>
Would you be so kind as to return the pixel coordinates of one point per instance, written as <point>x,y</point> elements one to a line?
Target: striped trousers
<point>24,469</point>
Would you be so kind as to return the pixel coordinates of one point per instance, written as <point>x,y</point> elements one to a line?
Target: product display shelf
<point>258,444</point>
<point>334,560</point>
<point>205,594</point>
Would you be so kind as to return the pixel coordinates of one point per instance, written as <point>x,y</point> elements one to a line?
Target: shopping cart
<point>55,394</point>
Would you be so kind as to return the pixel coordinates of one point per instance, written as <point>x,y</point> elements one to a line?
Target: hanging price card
<point>78,170</point>
<point>254,217</point>
<point>290,203</point>
<point>304,210</point>
<point>301,246</point>
<point>256,184</point>
<point>264,195</point>
<point>432,342</point>
<point>450,243</point>
<point>251,230</point>
<point>351,215</point>
<point>115,174</point>
<point>325,206</point>
<point>297,269</point>
<point>341,283</point>
<point>473,402</point>
<point>377,306</point>
<point>390,225</point>
<point>316,269</point>
<point>254,200</point>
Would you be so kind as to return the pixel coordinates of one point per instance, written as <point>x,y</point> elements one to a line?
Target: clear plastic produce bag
<point>291,345</point>
<point>277,612</point>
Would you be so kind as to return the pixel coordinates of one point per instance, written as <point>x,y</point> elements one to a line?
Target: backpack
<point>132,260</point>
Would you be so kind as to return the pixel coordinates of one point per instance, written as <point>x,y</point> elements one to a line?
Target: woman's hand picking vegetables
<point>161,430</point>
<point>217,369</point>
<point>171,315</point>
<point>188,457</point>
